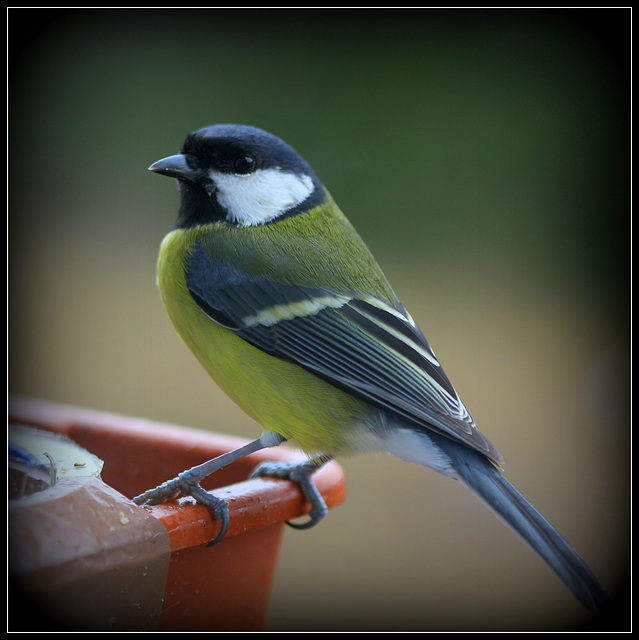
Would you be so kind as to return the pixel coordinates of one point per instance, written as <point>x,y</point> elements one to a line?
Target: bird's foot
<point>300,474</point>
<point>188,485</point>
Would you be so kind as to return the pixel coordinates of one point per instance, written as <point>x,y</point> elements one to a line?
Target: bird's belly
<point>281,396</point>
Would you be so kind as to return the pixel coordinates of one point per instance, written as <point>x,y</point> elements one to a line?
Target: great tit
<point>279,298</point>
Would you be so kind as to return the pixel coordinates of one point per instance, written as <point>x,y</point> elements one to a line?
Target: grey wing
<point>355,341</point>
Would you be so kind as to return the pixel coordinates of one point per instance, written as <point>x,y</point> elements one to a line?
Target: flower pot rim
<point>253,503</point>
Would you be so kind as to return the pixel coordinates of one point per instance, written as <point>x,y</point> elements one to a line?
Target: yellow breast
<point>281,396</point>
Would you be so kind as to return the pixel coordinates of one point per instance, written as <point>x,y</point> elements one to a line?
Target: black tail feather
<point>492,487</point>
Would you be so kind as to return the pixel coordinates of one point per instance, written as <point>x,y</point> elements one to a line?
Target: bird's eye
<point>244,164</point>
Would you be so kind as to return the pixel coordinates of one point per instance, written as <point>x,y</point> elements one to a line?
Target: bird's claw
<point>188,486</point>
<point>301,475</point>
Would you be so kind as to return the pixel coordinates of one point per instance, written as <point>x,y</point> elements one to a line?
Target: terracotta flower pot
<point>92,559</point>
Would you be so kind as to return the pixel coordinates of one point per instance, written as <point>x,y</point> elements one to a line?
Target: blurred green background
<point>483,156</point>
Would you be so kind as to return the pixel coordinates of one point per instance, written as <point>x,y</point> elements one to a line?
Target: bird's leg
<point>188,482</point>
<point>300,473</point>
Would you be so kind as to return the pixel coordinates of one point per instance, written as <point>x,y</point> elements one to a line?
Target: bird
<point>279,298</point>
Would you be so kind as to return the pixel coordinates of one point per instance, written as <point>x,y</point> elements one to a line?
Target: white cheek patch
<point>261,196</point>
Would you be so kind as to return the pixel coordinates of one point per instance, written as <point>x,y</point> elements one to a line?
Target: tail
<point>479,475</point>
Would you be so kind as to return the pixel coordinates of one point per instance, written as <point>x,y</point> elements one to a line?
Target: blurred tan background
<point>484,158</point>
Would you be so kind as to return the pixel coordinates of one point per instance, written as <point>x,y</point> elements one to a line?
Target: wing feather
<point>355,341</point>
